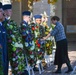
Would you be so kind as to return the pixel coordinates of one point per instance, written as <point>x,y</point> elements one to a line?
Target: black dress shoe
<point>58,71</point>
<point>69,70</point>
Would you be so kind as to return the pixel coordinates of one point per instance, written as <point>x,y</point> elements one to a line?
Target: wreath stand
<point>29,68</point>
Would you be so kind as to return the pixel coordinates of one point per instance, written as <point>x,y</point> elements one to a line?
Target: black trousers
<point>61,55</point>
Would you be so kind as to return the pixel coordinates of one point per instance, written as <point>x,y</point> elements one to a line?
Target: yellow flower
<point>47,44</point>
<point>46,32</point>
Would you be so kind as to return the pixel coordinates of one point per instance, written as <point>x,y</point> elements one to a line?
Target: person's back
<point>58,32</point>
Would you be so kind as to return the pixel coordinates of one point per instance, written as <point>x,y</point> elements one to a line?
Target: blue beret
<point>0,5</point>
<point>37,16</point>
<point>7,6</point>
<point>28,13</point>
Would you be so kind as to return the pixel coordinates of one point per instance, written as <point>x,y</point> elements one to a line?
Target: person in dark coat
<point>27,39</point>
<point>7,8</point>
<point>3,46</point>
<point>61,54</point>
<point>14,42</point>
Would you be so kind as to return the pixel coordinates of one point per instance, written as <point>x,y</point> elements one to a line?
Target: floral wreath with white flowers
<point>15,47</point>
<point>28,43</point>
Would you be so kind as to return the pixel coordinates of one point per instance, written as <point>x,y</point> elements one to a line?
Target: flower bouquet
<point>15,47</point>
<point>28,43</point>
<point>39,48</point>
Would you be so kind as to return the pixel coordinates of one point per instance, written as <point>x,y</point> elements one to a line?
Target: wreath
<point>15,47</point>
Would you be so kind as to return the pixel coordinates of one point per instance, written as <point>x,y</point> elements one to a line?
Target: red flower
<point>40,53</point>
<point>9,40</point>
<point>23,28</point>
<point>15,64</point>
<point>36,26</point>
<point>31,61</point>
<point>36,41</point>
<point>33,28</point>
<point>38,45</point>
<point>30,52</point>
<point>14,55</point>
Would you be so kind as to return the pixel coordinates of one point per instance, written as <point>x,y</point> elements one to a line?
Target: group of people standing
<point>27,41</point>
<point>18,42</point>
<point>10,35</point>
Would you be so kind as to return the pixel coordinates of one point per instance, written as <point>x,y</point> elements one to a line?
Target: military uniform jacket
<point>3,49</point>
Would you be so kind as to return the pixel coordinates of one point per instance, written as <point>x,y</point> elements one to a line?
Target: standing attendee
<point>38,21</point>
<point>3,46</point>
<point>7,11</point>
<point>14,43</point>
<point>38,32</point>
<point>61,55</point>
<point>27,38</point>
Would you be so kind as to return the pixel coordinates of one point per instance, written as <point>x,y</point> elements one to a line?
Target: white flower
<point>16,68</point>
<point>32,48</point>
<point>18,45</point>
<point>38,49</point>
<point>21,45</point>
<point>27,32</point>
<point>12,36</point>
<point>16,61</point>
<point>26,44</point>
<point>30,43</point>
<point>13,42</point>
<point>35,34</point>
<point>49,38</point>
<point>32,56</point>
<point>19,56</point>
<point>8,25</point>
<point>14,31</point>
<point>33,43</point>
<point>13,59</point>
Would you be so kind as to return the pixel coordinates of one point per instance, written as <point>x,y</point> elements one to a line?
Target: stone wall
<point>18,8</point>
<point>40,7</point>
<point>58,10</point>
<point>51,10</point>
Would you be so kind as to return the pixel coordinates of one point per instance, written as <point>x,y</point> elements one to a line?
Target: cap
<point>37,16</point>
<point>7,6</point>
<point>28,13</point>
